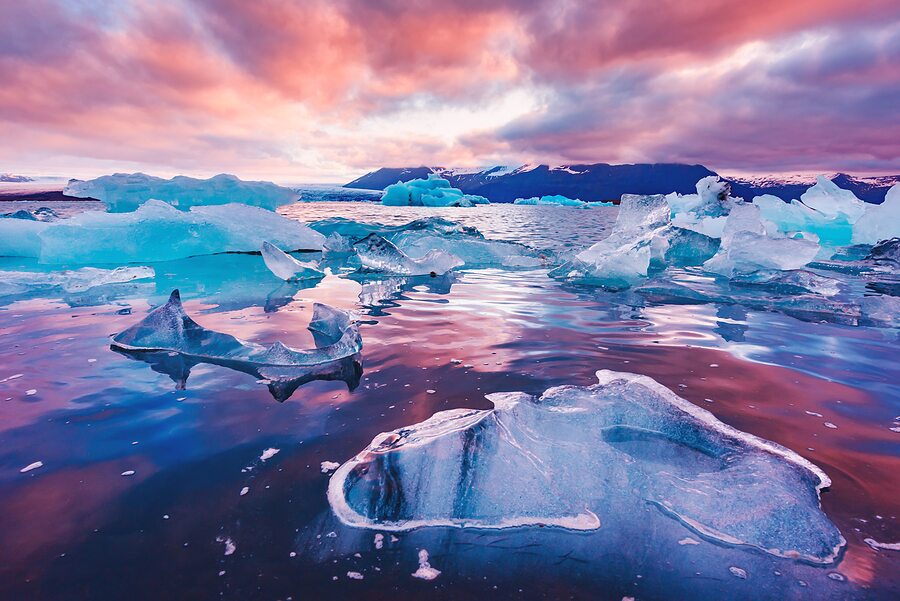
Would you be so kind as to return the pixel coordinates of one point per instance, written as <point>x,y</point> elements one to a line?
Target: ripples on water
<point>76,528</point>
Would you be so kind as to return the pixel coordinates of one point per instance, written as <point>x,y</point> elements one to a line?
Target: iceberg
<point>124,192</point>
<point>381,256</point>
<point>172,343</point>
<point>559,200</point>
<point>287,267</point>
<point>158,231</point>
<point>576,457</point>
<point>434,191</point>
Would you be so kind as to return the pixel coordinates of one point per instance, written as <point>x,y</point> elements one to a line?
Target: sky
<point>326,90</point>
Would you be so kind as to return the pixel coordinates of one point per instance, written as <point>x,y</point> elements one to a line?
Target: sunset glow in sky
<point>325,90</point>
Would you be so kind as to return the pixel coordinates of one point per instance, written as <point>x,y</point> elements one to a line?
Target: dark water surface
<point>77,528</point>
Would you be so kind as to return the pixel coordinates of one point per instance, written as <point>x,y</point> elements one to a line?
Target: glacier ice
<point>381,256</point>
<point>172,343</point>
<point>287,267</point>
<point>434,191</point>
<point>123,192</point>
<point>154,232</point>
<point>833,202</point>
<point>577,457</point>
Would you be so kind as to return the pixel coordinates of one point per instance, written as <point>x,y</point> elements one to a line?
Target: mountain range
<point>602,181</point>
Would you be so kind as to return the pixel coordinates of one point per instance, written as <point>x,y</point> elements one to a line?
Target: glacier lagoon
<point>807,362</point>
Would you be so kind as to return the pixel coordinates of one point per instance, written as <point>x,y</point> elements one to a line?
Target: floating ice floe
<point>70,281</point>
<point>287,267</point>
<point>747,247</point>
<point>559,200</point>
<point>642,233</point>
<point>154,232</point>
<point>172,343</point>
<point>39,214</point>
<point>576,457</point>
<point>432,192</point>
<point>381,256</point>
<point>421,236</point>
<point>123,192</point>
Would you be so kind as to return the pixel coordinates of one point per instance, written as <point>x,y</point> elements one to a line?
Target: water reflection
<point>178,367</point>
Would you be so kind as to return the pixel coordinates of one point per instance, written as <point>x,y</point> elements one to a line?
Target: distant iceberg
<point>559,200</point>
<point>156,231</point>
<point>434,191</point>
<point>124,192</point>
<point>576,458</point>
<point>168,337</point>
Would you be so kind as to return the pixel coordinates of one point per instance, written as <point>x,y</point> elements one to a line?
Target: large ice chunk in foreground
<point>159,232</point>
<point>379,255</point>
<point>124,192</point>
<point>577,457</point>
<point>287,267</point>
<point>434,191</point>
<point>169,330</point>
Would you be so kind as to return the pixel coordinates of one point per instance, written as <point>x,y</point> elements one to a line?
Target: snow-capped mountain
<point>601,181</point>
<point>9,177</point>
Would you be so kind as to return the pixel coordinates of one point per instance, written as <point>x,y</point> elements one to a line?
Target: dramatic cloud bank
<point>326,89</point>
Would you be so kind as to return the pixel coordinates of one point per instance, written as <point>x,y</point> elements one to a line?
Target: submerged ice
<point>577,457</point>
<point>123,192</point>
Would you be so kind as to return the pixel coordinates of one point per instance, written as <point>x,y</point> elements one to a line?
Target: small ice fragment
<point>268,454</point>
<point>329,466</point>
<point>245,490</point>
<point>230,547</point>
<point>425,571</point>
<point>836,576</point>
<point>456,361</point>
<point>128,473</point>
<point>814,414</point>
<point>292,554</point>
<point>166,516</point>
<point>429,391</point>
<point>379,541</point>
<point>331,534</point>
<point>714,365</point>
<point>12,377</point>
<point>31,466</point>
<point>92,360</point>
<point>688,541</point>
<point>738,572</point>
<point>287,267</point>
<point>830,425</point>
<point>31,392</point>
<point>354,576</point>
<point>884,546</point>
<point>221,572</point>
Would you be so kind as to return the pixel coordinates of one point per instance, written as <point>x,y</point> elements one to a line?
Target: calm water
<point>76,528</point>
